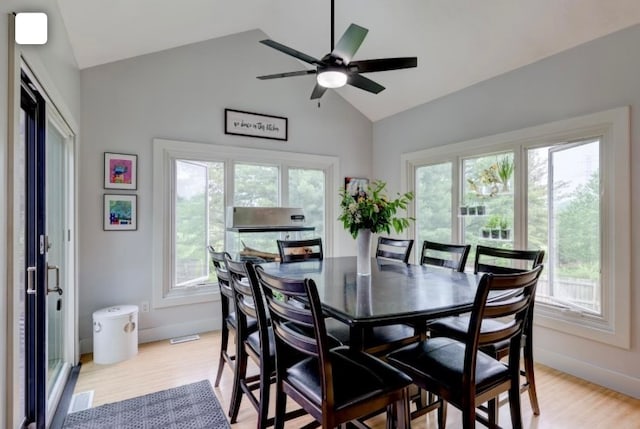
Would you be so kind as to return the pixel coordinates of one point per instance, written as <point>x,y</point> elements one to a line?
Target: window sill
<point>580,324</point>
<point>188,296</point>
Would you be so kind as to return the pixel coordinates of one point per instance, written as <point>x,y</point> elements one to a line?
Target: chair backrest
<point>300,250</point>
<point>501,261</point>
<point>452,256</point>
<point>218,259</point>
<point>248,304</point>
<point>298,328</point>
<point>513,312</point>
<point>394,249</point>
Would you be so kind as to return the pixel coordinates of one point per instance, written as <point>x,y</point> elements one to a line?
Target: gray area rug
<point>193,406</point>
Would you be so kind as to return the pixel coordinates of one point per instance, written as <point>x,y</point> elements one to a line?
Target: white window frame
<point>165,152</point>
<point>613,126</point>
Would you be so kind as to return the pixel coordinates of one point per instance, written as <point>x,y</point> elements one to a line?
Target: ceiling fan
<point>336,69</point>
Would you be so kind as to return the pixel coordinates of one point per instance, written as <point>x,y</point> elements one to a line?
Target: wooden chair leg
<point>265,386</point>
<point>240,374</point>
<point>223,348</point>
<point>530,376</point>
<point>514,406</point>
<point>492,412</point>
<point>469,417</point>
<point>442,414</point>
<point>281,404</point>
<point>404,413</point>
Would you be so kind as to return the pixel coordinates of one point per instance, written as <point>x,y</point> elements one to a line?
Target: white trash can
<point>115,334</point>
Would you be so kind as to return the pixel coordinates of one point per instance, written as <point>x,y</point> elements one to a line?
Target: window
<point>193,185</point>
<point>434,185</point>
<point>562,187</point>
<point>307,189</point>
<point>486,213</point>
<point>198,219</point>
<point>256,185</point>
<point>564,217</point>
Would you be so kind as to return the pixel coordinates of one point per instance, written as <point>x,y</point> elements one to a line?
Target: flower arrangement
<point>373,210</point>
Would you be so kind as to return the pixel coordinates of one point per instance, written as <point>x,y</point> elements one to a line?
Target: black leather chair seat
<point>253,340</point>
<point>457,327</point>
<point>252,324</point>
<point>374,336</point>
<point>444,357</point>
<point>357,376</point>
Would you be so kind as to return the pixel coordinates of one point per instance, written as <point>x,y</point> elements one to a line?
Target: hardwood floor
<point>566,402</point>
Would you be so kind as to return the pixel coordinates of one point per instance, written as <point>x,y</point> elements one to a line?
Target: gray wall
<point>55,67</point>
<point>181,94</point>
<point>593,77</point>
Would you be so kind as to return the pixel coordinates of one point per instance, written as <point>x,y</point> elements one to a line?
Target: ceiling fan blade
<point>290,51</point>
<point>318,91</point>
<point>349,43</point>
<point>383,64</point>
<point>364,83</point>
<point>287,74</point>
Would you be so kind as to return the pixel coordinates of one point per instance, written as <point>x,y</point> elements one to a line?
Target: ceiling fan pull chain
<point>333,24</point>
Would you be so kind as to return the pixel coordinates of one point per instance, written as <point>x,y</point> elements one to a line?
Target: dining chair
<point>257,345</point>
<point>254,345</point>
<point>394,249</point>
<point>335,385</point>
<point>300,250</point>
<point>446,255</point>
<point>503,261</point>
<point>229,322</point>
<point>457,371</point>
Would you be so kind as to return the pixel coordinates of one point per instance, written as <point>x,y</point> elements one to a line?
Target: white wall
<point>55,67</point>
<point>597,76</point>
<point>181,94</point>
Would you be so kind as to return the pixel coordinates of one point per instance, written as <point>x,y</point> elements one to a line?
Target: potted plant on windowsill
<point>493,226</point>
<point>505,171</point>
<point>505,231</point>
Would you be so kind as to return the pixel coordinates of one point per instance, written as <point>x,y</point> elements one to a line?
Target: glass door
<point>32,284</point>
<point>43,259</point>
<point>59,258</point>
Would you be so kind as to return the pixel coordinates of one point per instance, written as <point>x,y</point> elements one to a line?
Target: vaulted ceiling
<point>457,42</point>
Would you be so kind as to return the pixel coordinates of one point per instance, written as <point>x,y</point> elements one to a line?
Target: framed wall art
<point>255,125</point>
<point>120,212</point>
<point>356,185</point>
<point>120,171</point>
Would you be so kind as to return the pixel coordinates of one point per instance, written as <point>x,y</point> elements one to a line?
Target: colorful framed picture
<point>120,171</point>
<point>356,186</point>
<point>120,212</point>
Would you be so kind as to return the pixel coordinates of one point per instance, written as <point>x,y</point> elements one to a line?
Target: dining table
<point>393,293</point>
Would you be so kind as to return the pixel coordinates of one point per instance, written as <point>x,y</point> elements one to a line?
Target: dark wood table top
<point>393,293</point>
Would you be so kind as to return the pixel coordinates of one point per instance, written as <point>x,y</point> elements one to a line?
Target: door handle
<point>31,272</point>
<point>57,288</point>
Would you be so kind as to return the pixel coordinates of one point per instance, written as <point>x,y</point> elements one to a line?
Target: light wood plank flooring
<point>566,402</point>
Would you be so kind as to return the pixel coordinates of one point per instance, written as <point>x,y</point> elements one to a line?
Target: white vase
<point>363,258</point>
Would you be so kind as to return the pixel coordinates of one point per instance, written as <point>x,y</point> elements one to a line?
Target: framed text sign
<point>255,125</point>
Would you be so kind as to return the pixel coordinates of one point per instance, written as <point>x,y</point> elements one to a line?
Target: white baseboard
<point>164,332</point>
<point>602,376</point>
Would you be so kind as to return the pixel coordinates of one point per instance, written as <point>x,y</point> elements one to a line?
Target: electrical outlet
<point>145,306</point>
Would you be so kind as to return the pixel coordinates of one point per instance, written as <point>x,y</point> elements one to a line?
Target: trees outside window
<point>562,187</point>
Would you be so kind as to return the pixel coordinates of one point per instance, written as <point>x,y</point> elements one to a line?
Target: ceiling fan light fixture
<point>332,78</point>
